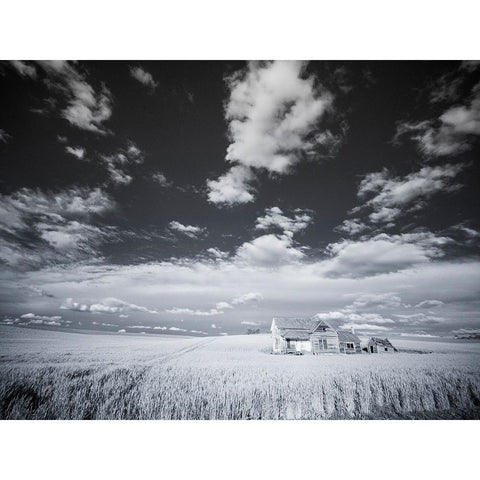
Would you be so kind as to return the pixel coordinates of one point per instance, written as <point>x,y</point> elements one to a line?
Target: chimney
<point>353,331</point>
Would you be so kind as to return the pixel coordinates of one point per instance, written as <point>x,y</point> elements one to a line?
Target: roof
<point>297,335</point>
<point>294,323</point>
<point>344,336</point>
<point>382,341</point>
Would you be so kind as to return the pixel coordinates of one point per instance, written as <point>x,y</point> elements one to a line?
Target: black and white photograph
<point>248,239</point>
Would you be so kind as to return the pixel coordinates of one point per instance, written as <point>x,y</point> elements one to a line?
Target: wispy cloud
<point>144,77</point>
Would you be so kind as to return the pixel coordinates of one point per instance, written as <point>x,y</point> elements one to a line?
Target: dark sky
<point>209,196</point>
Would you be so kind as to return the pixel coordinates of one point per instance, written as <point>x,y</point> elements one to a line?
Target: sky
<point>204,198</point>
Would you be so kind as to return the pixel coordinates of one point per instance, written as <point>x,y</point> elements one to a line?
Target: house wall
<point>356,349</point>
<point>379,348</point>
<point>330,336</point>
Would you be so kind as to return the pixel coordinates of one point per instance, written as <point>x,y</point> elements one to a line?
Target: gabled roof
<point>295,323</point>
<point>296,335</point>
<point>382,341</point>
<point>345,336</point>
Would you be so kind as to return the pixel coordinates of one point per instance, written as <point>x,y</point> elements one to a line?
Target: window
<point>322,344</point>
<point>386,349</point>
<point>350,345</point>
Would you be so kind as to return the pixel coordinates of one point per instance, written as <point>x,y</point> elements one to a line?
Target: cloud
<point>198,331</point>
<point>455,130</point>
<point>251,297</point>
<point>217,253</point>
<point>161,179</point>
<point>144,77</point>
<point>274,218</point>
<point>253,324</point>
<point>189,311</point>
<point>467,333</point>
<point>232,187</point>
<point>122,331</point>
<point>363,326</point>
<point>269,251</point>
<point>121,161</point>
<point>353,317</point>
<point>107,305</point>
<point>4,136</point>
<point>418,318</point>
<point>78,152</point>
<point>177,329</point>
<point>43,227</point>
<point>393,195</point>
<point>429,304</point>
<point>351,227</point>
<point>191,231</point>
<point>24,69</point>
<point>383,253</point>
<point>273,116</point>
<point>85,108</point>
<point>378,300</point>
<point>222,306</point>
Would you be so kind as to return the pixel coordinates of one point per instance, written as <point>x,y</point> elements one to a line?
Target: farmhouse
<point>298,335</point>
<point>380,345</point>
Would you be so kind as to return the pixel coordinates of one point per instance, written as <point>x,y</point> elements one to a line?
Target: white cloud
<point>122,331</point>
<point>269,251</point>
<point>363,326</point>
<point>217,253</point>
<point>191,231</point>
<point>57,224</point>
<point>253,324</point>
<point>123,159</point>
<point>108,305</point>
<point>177,329</point>
<point>274,218</point>
<point>85,108</point>
<point>161,179</point>
<point>383,253</point>
<point>4,136</point>
<point>429,304</point>
<point>232,187</point>
<point>78,152</point>
<point>144,77</point>
<point>393,195</point>
<point>454,130</point>
<point>251,297</point>
<point>353,317</point>
<point>273,114</point>
<point>189,311</point>
<point>24,69</point>
<point>351,227</point>
<point>222,306</point>
<point>418,318</point>
<point>378,300</point>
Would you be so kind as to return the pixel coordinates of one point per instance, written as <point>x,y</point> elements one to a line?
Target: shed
<point>380,345</point>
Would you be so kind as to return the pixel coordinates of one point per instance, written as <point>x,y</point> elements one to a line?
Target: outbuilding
<point>380,345</point>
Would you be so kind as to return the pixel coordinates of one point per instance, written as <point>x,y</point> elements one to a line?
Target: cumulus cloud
<point>383,253</point>
<point>177,329</point>
<point>84,108</point>
<point>364,327</point>
<point>78,152</point>
<point>24,69</point>
<point>274,218</point>
<point>467,333</point>
<point>217,253</point>
<point>418,318</point>
<point>144,77</point>
<point>223,306</point>
<point>269,251</point>
<point>253,324</point>
<point>43,227</point>
<point>107,305</point>
<point>191,231</point>
<point>273,115</point>
<point>377,300</point>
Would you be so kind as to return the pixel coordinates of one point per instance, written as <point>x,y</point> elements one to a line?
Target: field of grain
<point>56,375</point>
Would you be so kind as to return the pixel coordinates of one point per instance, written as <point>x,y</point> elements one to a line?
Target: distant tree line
<point>253,331</point>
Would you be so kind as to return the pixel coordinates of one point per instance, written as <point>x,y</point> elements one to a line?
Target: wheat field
<point>56,375</point>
